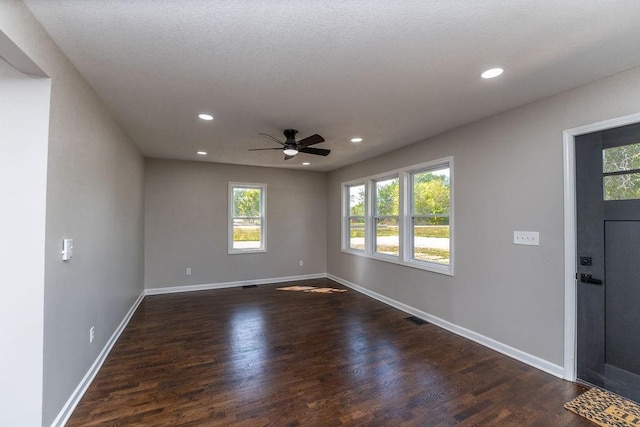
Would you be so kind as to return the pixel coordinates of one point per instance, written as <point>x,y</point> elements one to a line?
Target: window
<point>621,172</point>
<point>403,216</point>
<point>430,212</point>
<point>386,216</point>
<point>355,219</point>
<point>247,218</point>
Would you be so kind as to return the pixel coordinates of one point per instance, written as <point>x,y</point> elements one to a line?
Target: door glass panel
<point>622,187</point>
<point>623,158</point>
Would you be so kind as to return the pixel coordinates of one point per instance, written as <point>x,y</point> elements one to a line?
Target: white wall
<point>186,223</point>
<point>95,195</point>
<point>24,125</point>
<point>508,176</point>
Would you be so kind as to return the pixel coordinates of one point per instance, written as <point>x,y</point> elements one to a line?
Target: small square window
<point>621,172</point>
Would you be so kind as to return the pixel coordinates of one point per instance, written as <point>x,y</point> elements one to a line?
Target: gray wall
<point>94,195</point>
<point>186,223</point>
<point>508,176</point>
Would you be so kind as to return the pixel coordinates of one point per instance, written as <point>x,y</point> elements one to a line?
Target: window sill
<point>246,251</point>
<point>446,270</point>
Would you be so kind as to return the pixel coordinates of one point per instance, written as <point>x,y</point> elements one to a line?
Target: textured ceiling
<point>392,72</point>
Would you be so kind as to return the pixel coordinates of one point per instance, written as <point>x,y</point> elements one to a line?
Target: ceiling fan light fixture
<point>290,149</point>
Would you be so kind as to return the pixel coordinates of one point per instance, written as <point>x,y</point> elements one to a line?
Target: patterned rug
<point>605,409</point>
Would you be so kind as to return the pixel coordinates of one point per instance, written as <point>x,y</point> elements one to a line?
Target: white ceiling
<point>392,72</point>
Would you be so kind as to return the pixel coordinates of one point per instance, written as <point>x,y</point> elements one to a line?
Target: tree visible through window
<point>621,169</point>
<point>247,219</point>
<point>431,207</point>
<point>408,219</point>
<point>355,216</point>
<point>386,216</point>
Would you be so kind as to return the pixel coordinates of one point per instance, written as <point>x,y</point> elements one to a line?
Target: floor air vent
<point>249,286</point>
<point>416,320</point>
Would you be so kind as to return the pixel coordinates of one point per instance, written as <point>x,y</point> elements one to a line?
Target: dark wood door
<point>608,279</point>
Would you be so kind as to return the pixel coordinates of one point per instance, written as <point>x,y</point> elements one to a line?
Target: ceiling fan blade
<point>318,151</point>
<point>272,138</point>
<point>260,149</point>
<point>310,140</point>
<point>288,157</point>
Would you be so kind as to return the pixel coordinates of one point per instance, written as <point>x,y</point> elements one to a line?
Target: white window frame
<point>346,217</point>
<point>263,218</point>
<point>375,216</point>
<point>404,220</point>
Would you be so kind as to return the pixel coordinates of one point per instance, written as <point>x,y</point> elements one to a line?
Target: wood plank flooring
<point>264,357</point>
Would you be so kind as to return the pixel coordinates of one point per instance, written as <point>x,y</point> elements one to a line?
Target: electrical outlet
<point>91,334</point>
<point>301,263</point>
<point>188,271</point>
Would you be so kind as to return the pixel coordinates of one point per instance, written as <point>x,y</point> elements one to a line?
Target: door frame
<point>570,234</point>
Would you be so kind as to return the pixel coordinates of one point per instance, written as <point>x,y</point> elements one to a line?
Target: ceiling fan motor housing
<point>290,134</point>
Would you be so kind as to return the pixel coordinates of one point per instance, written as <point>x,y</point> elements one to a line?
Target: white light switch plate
<point>530,238</point>
<point>67,249</point>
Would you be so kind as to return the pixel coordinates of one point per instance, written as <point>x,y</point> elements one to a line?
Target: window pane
<point>623,158</point>
<point>387,197</point>
<point>431,239</point>
<point>356,233</point>
<point>431,192</point>
<point>246,202</point>
<point>622,187</point>
<point>247,234</point>
<point>356,200</point>
<point>387,236</point>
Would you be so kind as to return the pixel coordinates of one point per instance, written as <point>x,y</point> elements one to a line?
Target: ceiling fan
<point>291,147</point>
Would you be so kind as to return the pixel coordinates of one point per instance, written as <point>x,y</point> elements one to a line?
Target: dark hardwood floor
<point>259,356</point>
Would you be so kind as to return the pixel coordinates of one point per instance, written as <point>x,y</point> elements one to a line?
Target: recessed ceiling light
<point>204,116</point>
<point>201,153</point>
<point>356,139</point>
<point>494,72</point>
<point>306,164</point>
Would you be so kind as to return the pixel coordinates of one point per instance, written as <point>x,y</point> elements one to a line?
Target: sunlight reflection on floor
<point>312,289</point>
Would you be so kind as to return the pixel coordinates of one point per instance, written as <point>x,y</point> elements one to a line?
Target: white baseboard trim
<point>208,286</point>
<point>529,359</point>
<point>74,399</point>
